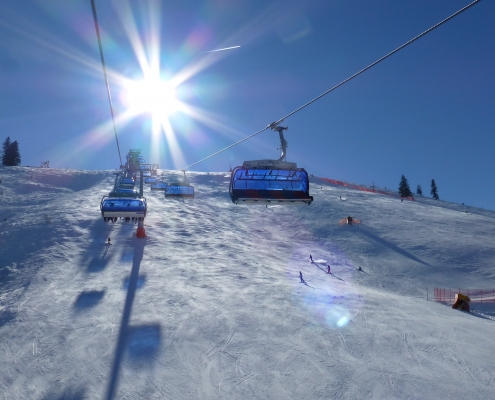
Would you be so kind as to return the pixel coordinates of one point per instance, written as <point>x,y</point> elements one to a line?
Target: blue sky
<point>426,112</point>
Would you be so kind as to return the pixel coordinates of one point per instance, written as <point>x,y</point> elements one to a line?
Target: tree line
<point>405,190</point>
<point>10,153</point>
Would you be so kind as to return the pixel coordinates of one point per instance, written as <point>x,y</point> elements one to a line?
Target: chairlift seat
<point>151,179</point>
<point>112,207</point>
<point>127,183</point>
<point>159,186</point>
<point>124,192</point>
<point>179,190</point>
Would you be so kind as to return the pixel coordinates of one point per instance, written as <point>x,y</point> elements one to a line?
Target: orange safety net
<point>363,189</point>
<point>475,295</point>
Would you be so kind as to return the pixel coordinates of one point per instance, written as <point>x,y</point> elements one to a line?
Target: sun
<point>152,96</point>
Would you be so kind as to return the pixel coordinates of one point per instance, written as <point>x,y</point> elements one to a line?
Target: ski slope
<point>209,305</point>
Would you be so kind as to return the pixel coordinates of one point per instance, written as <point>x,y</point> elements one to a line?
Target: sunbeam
<point>150,90</point>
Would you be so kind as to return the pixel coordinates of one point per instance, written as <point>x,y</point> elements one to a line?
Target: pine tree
<point>419,191</point>
<point>5,151</point>
<point>11,155</point>
<point>404,189</point>
<point>15,155</point>
<point>434,192</point>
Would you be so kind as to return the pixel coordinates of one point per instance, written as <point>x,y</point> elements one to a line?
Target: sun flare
<point>153,96</point>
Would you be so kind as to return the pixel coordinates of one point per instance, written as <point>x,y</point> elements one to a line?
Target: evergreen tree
<point>5,151</point>
<point>434,192</point>
<point>419,191</point>
<point>11,155</point>
<point>404,189</point>
<point>15,155</point>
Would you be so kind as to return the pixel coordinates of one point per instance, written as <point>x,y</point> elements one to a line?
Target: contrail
<point>227,48</point>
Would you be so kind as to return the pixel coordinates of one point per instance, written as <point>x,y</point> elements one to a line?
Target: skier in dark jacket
<point>311,258</point>
<point>301,277</point>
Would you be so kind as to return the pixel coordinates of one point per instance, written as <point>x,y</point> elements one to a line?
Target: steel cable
<point>93,6</point>
<point>340,84</point>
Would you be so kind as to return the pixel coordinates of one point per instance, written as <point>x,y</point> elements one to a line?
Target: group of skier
<point>311,259</point>
<point>329,270</point>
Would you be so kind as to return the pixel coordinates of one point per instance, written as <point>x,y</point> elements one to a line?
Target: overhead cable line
<point>274,124</point>
<point>93,6</point>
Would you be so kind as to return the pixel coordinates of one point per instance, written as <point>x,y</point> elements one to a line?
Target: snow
<point>209,305</point>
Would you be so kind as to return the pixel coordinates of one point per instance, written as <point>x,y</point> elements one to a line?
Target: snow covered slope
<point>210,306</point>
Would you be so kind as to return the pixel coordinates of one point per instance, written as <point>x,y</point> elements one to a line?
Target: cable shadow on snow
<point>142,341</point>
<point>391,246</point>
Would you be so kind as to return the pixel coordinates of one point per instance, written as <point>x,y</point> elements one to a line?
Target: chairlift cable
<point>226,148</point>
<point>379,60</point>
<point>274,124</point>
<point>93,6</point>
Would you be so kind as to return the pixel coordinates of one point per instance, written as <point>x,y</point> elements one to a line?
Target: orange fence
<point>476,295</point>
<point>363,189</point>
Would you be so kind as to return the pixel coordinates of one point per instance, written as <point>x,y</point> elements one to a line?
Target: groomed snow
<point>210,306</point>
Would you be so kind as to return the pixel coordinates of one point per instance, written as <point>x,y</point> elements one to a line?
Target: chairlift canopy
<point>269,182</point>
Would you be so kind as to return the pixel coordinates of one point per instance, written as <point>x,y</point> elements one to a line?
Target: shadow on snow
<point>391,246</point>
<point>88,299</point>
<point>142,341</point>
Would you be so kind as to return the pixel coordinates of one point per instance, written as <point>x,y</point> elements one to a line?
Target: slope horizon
<point>426,112</point>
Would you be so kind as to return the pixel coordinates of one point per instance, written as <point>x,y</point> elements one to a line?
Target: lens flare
<point>152,96</point>
<point>332,299</point>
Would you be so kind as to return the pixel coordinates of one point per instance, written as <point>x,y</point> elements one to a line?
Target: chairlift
<point>127,183</point>
<point>124,192</point>
<point>270,181</point>
<point>151,179</point>
<point>125,203</point>
<point>159,185</point>
<point>129,209</point>
<point>179,189</point>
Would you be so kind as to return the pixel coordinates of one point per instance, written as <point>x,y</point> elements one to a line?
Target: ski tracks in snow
<point>410,351</point>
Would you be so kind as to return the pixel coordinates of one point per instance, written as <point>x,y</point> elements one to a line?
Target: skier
<point>108,241</point>
<point>311,258</point>
<point>301,277</point>
<point>328,272</point>
<point>359,269</point>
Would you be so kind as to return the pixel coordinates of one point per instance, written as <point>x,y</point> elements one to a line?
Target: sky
<point>426,112</point>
